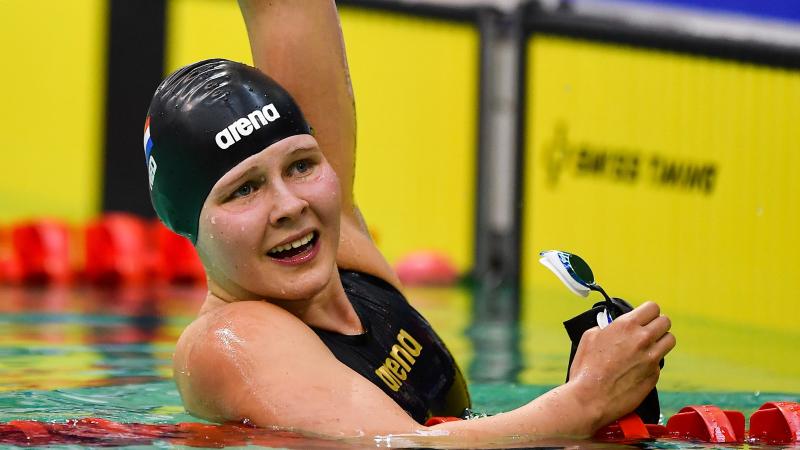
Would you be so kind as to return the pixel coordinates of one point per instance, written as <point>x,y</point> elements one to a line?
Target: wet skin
<point>277,196</point>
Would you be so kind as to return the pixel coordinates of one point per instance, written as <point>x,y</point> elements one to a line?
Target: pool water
<point>69,353</point>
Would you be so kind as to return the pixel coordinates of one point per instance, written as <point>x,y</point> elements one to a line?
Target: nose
<point>287,206</point>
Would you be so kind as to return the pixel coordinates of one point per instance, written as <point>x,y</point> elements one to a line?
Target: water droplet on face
<point>214,220</point>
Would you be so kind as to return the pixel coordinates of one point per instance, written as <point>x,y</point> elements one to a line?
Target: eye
<point>244,190</point>
<point>301,167</point>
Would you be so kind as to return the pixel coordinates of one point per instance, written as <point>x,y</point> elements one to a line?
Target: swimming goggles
<point>576,274</point>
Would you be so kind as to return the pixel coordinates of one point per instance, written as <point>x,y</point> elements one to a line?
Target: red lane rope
<point>773,423</point>
<point>101,432</point>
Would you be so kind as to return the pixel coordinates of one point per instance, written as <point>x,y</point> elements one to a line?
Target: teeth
<point>294,244</point>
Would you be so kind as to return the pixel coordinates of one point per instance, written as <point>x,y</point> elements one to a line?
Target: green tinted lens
<point>581,269</point>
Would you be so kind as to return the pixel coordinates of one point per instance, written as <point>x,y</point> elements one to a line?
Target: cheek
<point>326,193</point>
<point>225,235</point>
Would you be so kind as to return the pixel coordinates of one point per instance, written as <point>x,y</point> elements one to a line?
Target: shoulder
<point>227,325</point>
<point>228,352</point>
<point>255,361</point>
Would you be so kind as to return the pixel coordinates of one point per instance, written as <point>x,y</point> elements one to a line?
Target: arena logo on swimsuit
<point>245,126</point>
<point>399,361</point>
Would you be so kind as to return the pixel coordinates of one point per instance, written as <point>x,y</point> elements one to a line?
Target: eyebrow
<point>222,190</point>
<point>247,173</point>
<point>300,148</point>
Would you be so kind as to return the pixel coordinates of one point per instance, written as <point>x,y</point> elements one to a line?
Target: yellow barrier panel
<point>54,84</point>
<point>416,87</point>
<point>203,29</point>
<point>673,176</point>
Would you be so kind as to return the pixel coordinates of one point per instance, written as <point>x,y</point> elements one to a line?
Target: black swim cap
<point>203,120</point>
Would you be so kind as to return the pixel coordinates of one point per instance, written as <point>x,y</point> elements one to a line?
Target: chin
<point>302,286</point>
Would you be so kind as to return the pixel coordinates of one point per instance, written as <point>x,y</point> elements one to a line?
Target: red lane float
<point>776,423</point>
<point>10,271</point>
<point>628,429</point>
<point>117,250</point>
<point>436,420</point>
<point>42,251</point>
<point>176,260</point>
<point>10,268</point>
<point>426,267</point>
<point>707,423</point>
<point>100,432</point>
<point>33,431</point>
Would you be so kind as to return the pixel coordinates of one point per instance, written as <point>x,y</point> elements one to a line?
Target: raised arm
<point>299,44</point>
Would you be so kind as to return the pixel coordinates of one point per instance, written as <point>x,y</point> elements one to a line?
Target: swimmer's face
<point>269,228</point>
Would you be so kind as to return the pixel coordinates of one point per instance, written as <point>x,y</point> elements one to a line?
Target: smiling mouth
<point>295,248</point>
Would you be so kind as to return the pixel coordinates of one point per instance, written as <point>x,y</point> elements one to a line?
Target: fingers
<point>664,345</point>
<point>657,327</point>
<point>651,327</point>
<point>644,313</point>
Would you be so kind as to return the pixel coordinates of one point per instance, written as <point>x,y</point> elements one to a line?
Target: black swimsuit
<point>399,351</point>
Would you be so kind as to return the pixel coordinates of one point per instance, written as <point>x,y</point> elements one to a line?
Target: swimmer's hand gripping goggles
<point>573,271</point>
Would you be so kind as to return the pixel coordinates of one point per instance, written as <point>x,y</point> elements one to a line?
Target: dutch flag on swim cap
<point>148,141</point>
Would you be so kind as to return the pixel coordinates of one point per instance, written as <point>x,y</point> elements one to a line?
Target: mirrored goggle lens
<point>581,269</point>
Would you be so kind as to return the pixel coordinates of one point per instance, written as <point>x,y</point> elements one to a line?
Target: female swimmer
<point>304,325</point>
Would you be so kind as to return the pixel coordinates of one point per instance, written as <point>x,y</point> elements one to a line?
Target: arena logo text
<point>399,361</point>
<point>245,126</point>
